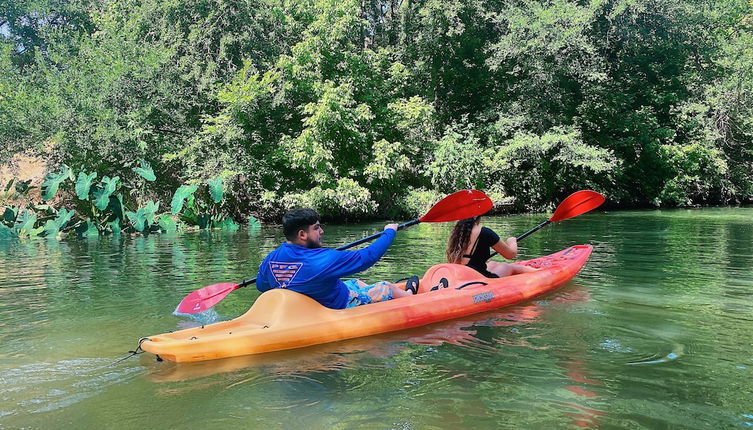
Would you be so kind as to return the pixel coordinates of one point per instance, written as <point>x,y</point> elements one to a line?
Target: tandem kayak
<point>281,319</point>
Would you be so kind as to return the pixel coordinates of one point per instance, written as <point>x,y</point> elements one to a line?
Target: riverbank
<point>31,172</point>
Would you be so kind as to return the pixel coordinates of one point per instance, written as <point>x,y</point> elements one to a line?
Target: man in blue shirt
<point>300,264</point>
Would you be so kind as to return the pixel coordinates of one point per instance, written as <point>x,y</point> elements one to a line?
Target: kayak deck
<point>281,319</point>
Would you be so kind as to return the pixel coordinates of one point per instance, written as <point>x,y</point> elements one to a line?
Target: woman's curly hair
<point>459,239</point>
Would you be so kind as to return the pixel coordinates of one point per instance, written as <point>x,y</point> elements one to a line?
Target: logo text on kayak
<point>483,297</point>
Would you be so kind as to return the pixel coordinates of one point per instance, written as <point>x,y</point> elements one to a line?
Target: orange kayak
<point>281,319</point>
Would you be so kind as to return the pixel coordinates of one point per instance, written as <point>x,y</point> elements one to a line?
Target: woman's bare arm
<point>508,248</point>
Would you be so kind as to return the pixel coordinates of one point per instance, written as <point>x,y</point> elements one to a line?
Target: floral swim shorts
<point>369,294</point>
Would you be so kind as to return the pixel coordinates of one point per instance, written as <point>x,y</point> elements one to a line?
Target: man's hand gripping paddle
<point>460,205</point>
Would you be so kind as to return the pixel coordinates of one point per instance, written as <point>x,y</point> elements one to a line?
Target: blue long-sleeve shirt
<point>317,272</point>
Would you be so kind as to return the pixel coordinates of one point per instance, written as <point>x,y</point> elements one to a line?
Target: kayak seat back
<point>280,307</point>
<point>447,275</point>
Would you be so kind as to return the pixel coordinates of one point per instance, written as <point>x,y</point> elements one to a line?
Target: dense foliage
<point>376,107</point>
<point>101,206</point>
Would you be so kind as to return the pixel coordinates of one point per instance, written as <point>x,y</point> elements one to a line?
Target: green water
<point>655,332</point>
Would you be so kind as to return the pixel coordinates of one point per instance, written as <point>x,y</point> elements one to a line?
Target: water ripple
<point>44,387</point>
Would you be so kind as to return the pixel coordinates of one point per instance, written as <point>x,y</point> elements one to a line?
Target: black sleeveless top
<point>480,252</point>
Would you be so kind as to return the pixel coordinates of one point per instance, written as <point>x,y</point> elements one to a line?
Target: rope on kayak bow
<point>136,351</point>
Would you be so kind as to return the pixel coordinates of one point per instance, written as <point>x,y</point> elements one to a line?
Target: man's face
<point>312,236</point>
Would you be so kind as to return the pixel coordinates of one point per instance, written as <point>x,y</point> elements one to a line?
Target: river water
<point>655,332</point>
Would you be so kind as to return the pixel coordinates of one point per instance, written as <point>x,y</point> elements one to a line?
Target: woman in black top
<point>469,245</point>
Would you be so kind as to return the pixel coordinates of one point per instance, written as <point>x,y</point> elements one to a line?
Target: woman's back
<point>470,244</point>
<point>478,250</point>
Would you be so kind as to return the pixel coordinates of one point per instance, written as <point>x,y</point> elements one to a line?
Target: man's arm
<point>350,262</point>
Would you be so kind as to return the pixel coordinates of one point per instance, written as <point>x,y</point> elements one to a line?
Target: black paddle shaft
<point>376,235</point>
<point>248,282</point>
<point>533,230</point>
<point>526,234</point>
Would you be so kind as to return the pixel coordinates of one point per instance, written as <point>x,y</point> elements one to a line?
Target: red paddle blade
<point>576,204</point>
<point>459,205</point>
<point>204,298</point>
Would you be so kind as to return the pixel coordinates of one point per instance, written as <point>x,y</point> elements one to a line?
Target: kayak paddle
<point>459,205</point>
<point>575,204</point>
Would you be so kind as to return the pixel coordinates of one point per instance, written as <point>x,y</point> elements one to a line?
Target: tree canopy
<point>376,107</point>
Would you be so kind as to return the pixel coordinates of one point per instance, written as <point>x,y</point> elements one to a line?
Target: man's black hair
<point>296,220</point>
